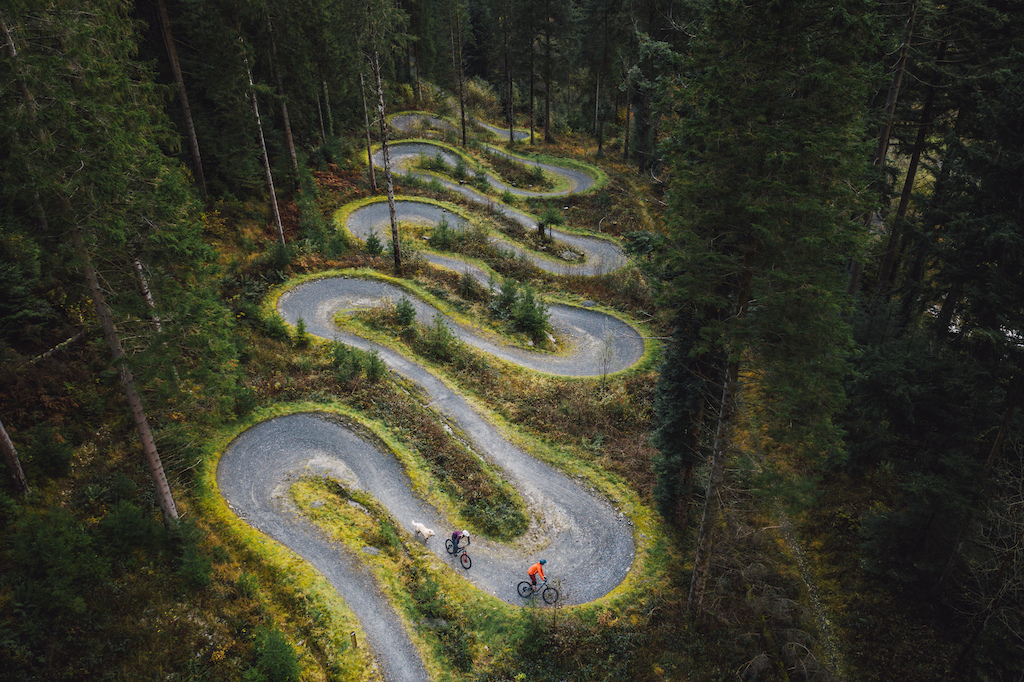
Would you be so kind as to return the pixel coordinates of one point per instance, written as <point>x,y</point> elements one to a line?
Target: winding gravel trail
<point>581,534</point>
<point>587,542</point>
<point>601,256</point>
<point>408,120</point>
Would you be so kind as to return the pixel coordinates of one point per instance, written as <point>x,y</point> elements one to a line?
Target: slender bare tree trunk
<point>547,82</point>
<point>629,112</point>
<point>120,361</point>
<point>457,67</point>
<point>12,461</point>
<point>147,295</point>
<point>924,125</point>
<point>366,123</point>
<point>186,110</point>
<point>506,22</point>
<point>719,457</point>
<point>12,50</point>
<point>713,500</point>
<point>289,140</point>
<point>266,156</point>
<point>327,106</point>
<point>320,115</point>
<point>532,112</point>
<point>414,68</point>
<point>30,104</point>
<point>387,165</point>
<point>885,134</point>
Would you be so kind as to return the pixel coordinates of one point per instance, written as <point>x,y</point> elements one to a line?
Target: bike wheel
<point>550,595</point>
<point>466,561</point>
<point>525,589</point>
<point>449,546</point>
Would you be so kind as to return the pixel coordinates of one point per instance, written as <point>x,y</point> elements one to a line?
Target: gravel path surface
<point>600,256</point>
<point>587,542</point>
<point>407,122</point>
<point>579,533</point>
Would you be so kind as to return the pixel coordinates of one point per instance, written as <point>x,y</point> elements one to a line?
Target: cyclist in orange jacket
<point>535,569</point>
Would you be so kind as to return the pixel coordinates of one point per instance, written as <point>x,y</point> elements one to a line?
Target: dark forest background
<point>832,245</point>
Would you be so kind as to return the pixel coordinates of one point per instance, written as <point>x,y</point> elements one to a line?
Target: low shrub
<point>347,363</point>
<point>276,660</point>
<point>405,312</point>
<point>375,367</point>
<point>439,343</point>
<point>442,237</point>
<point>530,315</point>
<point>301,339</point>
<point>374,246</point>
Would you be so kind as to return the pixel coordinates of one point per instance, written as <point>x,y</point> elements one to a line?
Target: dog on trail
<point>422,530</point>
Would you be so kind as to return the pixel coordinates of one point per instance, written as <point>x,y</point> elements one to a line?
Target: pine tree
<point>684,398</point>
<point>765,151</point>
<point>87,185</point>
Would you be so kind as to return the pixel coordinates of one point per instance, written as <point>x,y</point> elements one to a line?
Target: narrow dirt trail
<point>587,542</point>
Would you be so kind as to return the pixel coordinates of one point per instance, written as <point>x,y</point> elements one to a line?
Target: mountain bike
<point>527,589</point>
<point>460,551</point>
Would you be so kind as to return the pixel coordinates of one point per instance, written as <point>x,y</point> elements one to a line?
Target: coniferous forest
<point>812,221</point>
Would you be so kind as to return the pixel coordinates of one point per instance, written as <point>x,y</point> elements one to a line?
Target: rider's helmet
<point>543,561</point>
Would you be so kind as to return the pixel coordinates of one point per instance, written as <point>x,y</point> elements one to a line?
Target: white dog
<point>422,530</point>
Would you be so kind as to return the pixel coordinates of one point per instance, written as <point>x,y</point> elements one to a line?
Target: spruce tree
<point>764,152</point>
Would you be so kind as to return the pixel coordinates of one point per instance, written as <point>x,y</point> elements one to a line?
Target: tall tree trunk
<point>30,104</point>
<point>945,317</point>
<point>12,461</point>
<point>456,33</point>
<point>712,499</point>
<point>327,106</point>
<point>320,115</point>
<point>395,246</point>
<point>508,78</point>
<point>288,138</point>
<point>156,469</point>
<point>147,295</point>
<point>629,111</point>
<point>266,156</point>
<point>415,72</point>
<point>186,110</point>
<point>720,453</point>
<point>547,83</point>
<point>643,131</point>
<point>12,50</point>
<point>923,128</point>
<point>885,133</point>
<point>366,123</point>
<point>532,112</point>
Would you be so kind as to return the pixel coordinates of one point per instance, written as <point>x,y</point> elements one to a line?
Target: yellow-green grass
<point>276,564</point>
